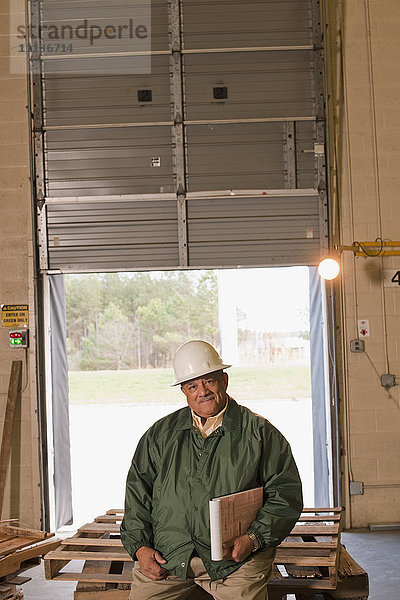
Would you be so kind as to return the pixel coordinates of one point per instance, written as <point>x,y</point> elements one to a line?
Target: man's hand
<point>239,549</point>
<point>149,560</point>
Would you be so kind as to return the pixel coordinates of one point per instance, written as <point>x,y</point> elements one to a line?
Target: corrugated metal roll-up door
<point>199,146</point>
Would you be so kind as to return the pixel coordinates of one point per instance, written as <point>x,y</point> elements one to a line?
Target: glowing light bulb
<point>328,268</point>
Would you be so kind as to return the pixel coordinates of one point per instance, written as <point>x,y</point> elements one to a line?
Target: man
<point>210,448</point>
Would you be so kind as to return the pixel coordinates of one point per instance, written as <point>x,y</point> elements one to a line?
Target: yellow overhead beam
<point>358,248</point>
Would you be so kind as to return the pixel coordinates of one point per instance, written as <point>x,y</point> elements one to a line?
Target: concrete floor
<point>377,552</point>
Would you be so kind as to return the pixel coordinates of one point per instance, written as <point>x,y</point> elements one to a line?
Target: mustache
<point>206,398</point>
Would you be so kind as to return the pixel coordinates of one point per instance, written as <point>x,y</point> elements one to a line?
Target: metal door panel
<point>263,207</point>
<point>62,237</point>
<point>109,137</point>
<point>78,10</point>
<point>108,232</point>
<point>109,99</point>
<point>109,161</point>
<point>254,254</point>
<point>253,228</point>
<point>235,181</point>
<point>93,66</point>
<point>289,63</point>
<point>110,258</point>
<point>120,166</point>
<point>102,187</point>
<point>257,85</point>
<point>259,228</point>
<point>102,13</point>
<point>122,156</point>
<point>233,157</point>
<point>109,212</point>
<point>223,24</point>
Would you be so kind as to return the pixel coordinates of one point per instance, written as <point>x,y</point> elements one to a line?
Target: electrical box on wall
<point>19,338</point>
<point>357,346</point>
<point>356,488</point>
<point>388,380</point>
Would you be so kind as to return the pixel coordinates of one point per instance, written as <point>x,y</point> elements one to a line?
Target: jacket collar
<point>232,418</point>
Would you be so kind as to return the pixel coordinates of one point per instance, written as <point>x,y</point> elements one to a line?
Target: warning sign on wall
<point>15,315</point>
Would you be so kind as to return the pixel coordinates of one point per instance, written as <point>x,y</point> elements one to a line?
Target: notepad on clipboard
<point>230,516</point>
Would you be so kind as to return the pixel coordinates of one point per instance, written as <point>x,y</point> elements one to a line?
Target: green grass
<point>152,385</point>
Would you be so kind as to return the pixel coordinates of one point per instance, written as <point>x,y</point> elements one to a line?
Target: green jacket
<point>175,472</point>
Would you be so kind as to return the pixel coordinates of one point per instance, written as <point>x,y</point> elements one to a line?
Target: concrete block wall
<point>22,495</point>
<point>365,125</point>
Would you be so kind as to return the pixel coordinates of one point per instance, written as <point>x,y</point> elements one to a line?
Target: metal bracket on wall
<point>178,128</point>
<point>37,97</point>
<point>320,159</point>
<point>42,236</point>
<point>182,232</point>
<point>291,154</point>
<point>39,165</point>
<point>38,161</point>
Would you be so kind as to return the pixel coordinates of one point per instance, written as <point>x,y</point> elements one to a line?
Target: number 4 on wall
<point>391,278</point>
<point>396,278</point>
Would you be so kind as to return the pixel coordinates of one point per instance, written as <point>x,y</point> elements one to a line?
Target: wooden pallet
<point>9,591</point>
<point>353,583</point>
<point>19,546</point>
<point>307,559</point>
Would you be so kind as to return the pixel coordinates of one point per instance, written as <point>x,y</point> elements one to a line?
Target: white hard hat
<point>194,359</point>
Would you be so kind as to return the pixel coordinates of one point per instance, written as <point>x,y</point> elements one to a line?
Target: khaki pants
<point>249,582</point>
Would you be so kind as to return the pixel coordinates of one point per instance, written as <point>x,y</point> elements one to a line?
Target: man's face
<point>206,395</point>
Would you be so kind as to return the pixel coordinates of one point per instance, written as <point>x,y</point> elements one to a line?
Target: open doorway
<point>122,331</point>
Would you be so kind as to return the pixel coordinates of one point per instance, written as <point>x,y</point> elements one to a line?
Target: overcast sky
<point>274,299</point>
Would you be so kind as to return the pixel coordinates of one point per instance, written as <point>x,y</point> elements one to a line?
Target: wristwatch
<point>256,543</point>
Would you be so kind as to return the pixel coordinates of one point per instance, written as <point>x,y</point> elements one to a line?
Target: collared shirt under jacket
<point>175,472</point>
